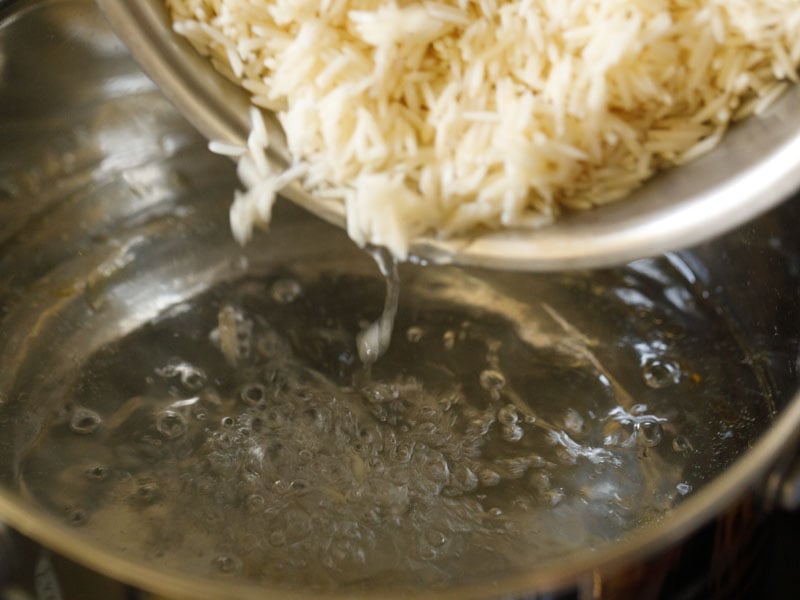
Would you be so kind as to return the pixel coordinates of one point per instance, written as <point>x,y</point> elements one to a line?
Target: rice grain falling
<point>443,117</point>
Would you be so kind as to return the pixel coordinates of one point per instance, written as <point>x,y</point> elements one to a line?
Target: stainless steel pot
<point>113,239</point>
<point>755,167</point>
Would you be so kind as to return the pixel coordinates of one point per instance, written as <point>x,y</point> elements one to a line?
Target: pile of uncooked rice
<point>442,117</point>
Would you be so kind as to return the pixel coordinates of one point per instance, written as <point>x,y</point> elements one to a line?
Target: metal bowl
<point>113,221</point>
<point>756,166</point>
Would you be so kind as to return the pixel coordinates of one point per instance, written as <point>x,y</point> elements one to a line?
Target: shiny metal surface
<point>111,212</point>
<point>757,166</point>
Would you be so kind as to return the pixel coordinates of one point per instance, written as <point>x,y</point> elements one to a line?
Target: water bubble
<point>277,538</point>
<point>171,424</point>
<point>437,469</point>
<point>286,291</point>
<point>376,465</point>
<point>366,435</point>
<point>488,477</point>
<point>97,473</point>
<point>507,415</point>
<point>273,419</point>
<point>514,467</point>
<point>513,433</point>
<point>683,488</point>
<point>76,516</point>
<point>148,492</point>
<point>255,502</point>
<point>298,525</point>
<point>298,485</point>
<point>414,334</point>
<point>227,563</point>
<point>481,422</point>
<point>428,553</point>
<point>227,421</point>
<point>659,374</point>
<point>435,538</point>
<point>681,444</point>
<point>492,380</point>
<point>401,453</point>
<point>465,478</point>
<point>84,421</point>
<point>192,379</point>
<point>253,394</point>
<point>649,433</point>
<point>449,339</point>
<point>381,392</point>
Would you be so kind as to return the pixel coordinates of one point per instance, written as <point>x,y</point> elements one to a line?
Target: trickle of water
<point>374,340</point>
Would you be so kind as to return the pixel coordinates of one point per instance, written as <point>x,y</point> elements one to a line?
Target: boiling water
<point>512,420</point>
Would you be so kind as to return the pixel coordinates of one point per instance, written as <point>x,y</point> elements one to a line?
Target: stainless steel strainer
<point>756,166</point>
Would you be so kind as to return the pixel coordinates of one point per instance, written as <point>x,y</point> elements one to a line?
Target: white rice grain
<point>439,116</point>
